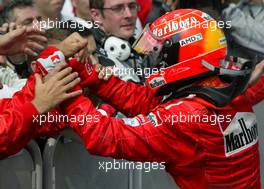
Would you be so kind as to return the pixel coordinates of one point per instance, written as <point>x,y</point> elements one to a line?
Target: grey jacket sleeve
<point>245,30</point>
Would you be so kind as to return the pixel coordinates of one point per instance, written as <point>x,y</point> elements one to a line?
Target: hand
<point>26,40</point>
<point>6,27</point>
<point>104,73</point>
<point>257,73</point>
<point>53,91</point>
<point>83,56</point>
<point>72,44</point>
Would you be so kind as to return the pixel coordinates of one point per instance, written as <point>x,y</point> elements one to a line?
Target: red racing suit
<point>19,121</point>
<point>203,146</point>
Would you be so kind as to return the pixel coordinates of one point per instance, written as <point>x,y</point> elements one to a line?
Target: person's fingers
<point>84,42</point>
<point>38,38</point>
<point>17,33</point>
<point>88,60</point>
<point>72,94</point>
<point>30,52</point>
<point>36,47</point>
<point>34,31</point>
<point>79,41</point>
<point>63,73</point>
<point>79,55</point>
<point>69,78</point>
<point>4,28</point>
<point>72,84</point>
<point>98,67</point>
<point>84,55</point>
<point>12,26</point>
<point>54,71</point>
<point>94,60</point>
<point>60,67</point>
<point>19,26</point>
<point>38,79</point>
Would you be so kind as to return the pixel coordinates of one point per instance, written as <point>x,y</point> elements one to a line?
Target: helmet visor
<point>148,43</point>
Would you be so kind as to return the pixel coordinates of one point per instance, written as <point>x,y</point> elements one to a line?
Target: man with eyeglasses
<point>20,12</point>
<point>15,69</point>
<point>117,18</point>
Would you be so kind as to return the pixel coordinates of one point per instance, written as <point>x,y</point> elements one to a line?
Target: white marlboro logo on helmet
<point>156,82</point>
<point>176,25</point>
<point>191,39</point>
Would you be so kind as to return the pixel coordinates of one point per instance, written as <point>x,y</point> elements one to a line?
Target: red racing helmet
<point>193,48</point>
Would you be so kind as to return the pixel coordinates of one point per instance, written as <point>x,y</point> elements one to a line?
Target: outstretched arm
<point>142,138</point>
<point>128,97</point>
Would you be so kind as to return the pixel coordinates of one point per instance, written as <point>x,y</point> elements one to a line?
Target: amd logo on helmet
<point>191,39</point>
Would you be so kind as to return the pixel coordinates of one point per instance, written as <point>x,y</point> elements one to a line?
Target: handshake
<point>66,67</point>
<point>73,52</point>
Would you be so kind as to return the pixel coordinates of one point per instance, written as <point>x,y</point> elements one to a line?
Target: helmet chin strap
<point>223,71</point>
<point>219,96</point>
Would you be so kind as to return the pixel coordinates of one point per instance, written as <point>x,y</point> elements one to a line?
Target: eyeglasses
<point>120,8</point>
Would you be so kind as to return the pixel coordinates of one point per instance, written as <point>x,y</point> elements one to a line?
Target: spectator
<point>82,9</point>
<point>82,14</point>
<point>117,19</point>
<point>51,10</point>
<point>246,34</point>
<point>17,125</point>
<point>8,77</point>
<point>21,12</point>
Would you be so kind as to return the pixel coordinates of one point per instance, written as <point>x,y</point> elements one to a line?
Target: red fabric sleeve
<point>137,139</point>
<point>129,98</point>
<point>27,95</point>
<point>16,128</point>
<point>17,120</point>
